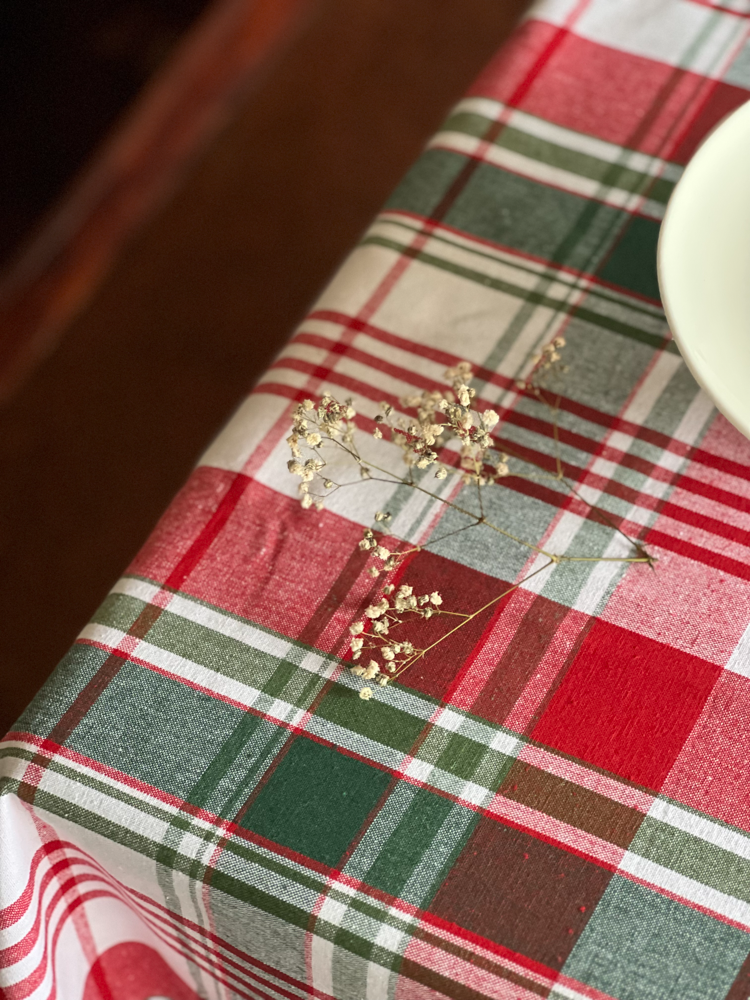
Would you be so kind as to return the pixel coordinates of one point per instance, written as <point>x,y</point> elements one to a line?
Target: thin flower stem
<point>623,559</point>
<point>454,506</point>
<point>565,480</point>
<point>448,534</point>
<point>509,450</point>
<point>494,527</point>
<point>470,617</point>
<point>602,513</point>
<point>555,431</point>
<point>530,477</point>
<point>481,501</point>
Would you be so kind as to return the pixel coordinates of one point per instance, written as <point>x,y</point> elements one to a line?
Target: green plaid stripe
<point>288,678</point>
<point>546,223</point>
<point>558,156</point>
<point>519,277</point>
<point>392,856</point>
<point>686,853</point>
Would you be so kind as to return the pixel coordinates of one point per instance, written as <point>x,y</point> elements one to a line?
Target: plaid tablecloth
<point>557,801</point>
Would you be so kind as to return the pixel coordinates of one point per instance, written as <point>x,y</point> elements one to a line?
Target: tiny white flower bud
<point>376,610</point>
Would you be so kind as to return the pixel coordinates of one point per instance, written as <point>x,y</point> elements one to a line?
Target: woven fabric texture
<point>555,802</point>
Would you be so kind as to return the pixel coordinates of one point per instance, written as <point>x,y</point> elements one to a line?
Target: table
<point>554,801</point>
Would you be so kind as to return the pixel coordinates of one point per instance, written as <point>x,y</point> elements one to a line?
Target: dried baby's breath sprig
<point>379,650</point>
<point>379,634</point>
<point>314,427</point>
<point>548,366</point>
<point>446,414</point>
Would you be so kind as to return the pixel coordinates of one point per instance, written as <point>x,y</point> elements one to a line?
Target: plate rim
<point>742,423</point>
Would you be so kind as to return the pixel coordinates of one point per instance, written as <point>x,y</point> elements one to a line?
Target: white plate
<point>704,266</point>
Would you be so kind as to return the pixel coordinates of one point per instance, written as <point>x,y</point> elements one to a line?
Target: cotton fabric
<point>556,802</point>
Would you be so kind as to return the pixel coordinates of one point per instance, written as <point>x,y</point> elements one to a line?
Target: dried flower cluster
<point>547,364</point>
<point>438,416</point>
<point>330,420</point>
<point>389,655</point>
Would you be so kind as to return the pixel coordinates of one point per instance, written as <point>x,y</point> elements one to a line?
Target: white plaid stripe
<point>662,30</point>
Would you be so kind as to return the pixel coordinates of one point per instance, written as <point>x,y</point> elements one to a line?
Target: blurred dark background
<point>150,356</point>
<point>67,70</point>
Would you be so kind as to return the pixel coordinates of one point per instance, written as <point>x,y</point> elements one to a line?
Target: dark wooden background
<point>104,431</point>
<point>67,71</point>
